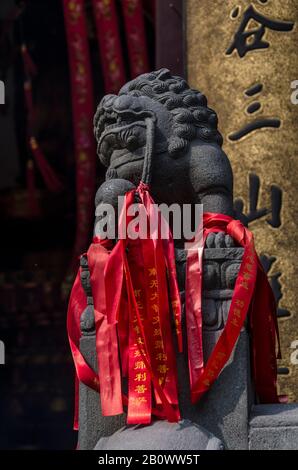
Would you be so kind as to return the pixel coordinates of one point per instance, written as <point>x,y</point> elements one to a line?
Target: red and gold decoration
<point>135,36</point>
<point>135,324</point>
<point>109,43</point>
<point>51,179</point>
<point>253,294</point>
<point>82,110</point>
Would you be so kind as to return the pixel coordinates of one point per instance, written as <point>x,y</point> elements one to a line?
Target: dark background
<point>37,380</point>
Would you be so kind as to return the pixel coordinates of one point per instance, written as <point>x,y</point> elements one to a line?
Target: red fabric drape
<point>134,322</point>
<point>109,42</point>
<point>252,292</point>
<point>82,111</point>
<point>135,36</point>
<point>51,179</point>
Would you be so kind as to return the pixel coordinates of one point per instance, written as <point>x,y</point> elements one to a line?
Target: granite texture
<point>274,427</point>
<point>161,435</point>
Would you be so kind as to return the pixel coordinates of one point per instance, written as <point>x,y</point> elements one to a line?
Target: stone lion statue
<point>189,165</point>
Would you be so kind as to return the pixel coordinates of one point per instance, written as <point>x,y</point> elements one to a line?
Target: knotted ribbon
<point>252,293</point>
<point>131,287</point>
<point>131,308</point>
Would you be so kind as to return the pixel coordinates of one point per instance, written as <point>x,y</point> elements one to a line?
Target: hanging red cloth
<point>82,111</point>
<point>135,36</point>
<point>51,179</point>
<point>133,288</point>
<point>252,293</point>
<point>141,267</point>
<point>108,38</point>
<point>134,322</point>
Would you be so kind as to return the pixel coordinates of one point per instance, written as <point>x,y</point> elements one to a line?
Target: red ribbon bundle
<point>131,308</point>
<point>137,317</point>
<point>252,292</point>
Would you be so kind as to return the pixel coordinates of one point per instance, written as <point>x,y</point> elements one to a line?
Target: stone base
<point>161,435</point>
<point>274,427</point>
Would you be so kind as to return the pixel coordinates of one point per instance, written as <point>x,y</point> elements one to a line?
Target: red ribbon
<point>135,36</point>
<point>82,111</point>
<point>132,316</point>
<point>252,292</point>
<point>142,273</point>
<point>109,42</point>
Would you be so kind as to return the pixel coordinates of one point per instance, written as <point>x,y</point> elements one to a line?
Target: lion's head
<point>182,121</point>
<point>181,115</point>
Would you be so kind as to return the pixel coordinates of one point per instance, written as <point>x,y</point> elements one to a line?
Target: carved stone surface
<point>274,427</point>
<point>162,435</point>
<point>189,163</point>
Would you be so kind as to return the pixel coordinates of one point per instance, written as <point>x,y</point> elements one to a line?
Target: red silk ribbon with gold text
<point>252,293</point>
<point>139,268</point>
<point>133,324</point>
<point>136,327</point>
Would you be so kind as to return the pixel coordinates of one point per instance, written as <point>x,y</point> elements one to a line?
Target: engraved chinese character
<point>250,33</point>
<point>255,213</point>
<point>259,122</point>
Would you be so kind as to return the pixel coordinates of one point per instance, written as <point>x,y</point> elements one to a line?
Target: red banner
<point>135,36</point>
<point>82,112</point>
<point>109,43</point>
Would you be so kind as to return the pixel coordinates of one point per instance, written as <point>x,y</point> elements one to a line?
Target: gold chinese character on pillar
<point>243,56</point>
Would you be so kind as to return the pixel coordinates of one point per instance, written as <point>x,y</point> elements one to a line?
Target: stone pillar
<point>224,410</point>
